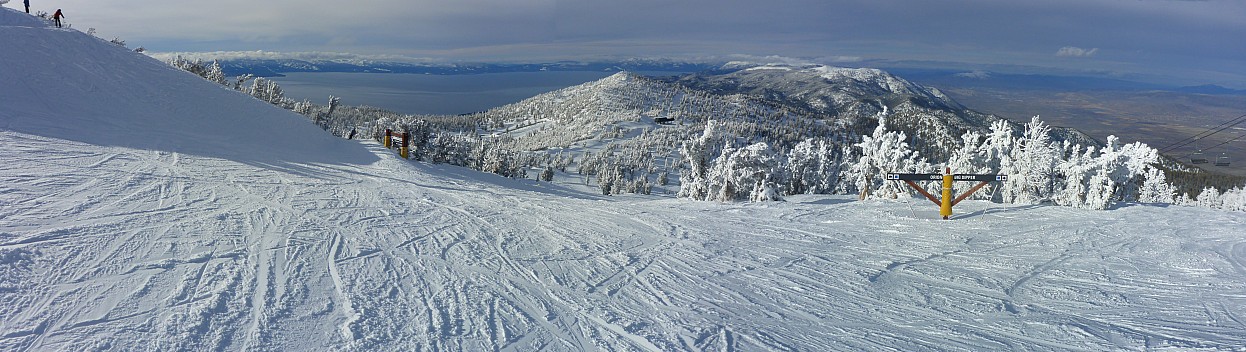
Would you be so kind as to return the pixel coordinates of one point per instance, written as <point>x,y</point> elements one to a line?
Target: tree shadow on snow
<point>1123,205</point>
<point>826,201</point>
<point>460,179</point>
<point>524,184</point>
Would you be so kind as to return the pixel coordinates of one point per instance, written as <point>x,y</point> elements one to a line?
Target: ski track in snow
<point>133,249</point>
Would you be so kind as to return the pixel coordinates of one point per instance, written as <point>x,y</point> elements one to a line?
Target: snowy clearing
<point>122,248</point>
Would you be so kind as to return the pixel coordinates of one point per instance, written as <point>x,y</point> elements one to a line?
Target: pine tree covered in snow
<point>699,154</point>
<point>215,74</point>
<point>813,166</point>
<point>747,173</point>
<point>884,152</point>
<point>1155,188</point>
<point>1234,199</point>
<point>1030,166</point>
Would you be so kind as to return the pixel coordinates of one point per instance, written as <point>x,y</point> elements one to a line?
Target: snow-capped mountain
<point>143,208</point>
<point>857,96</point>
<point>832,90</point>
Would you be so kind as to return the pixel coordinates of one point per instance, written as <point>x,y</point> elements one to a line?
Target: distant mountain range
<point>1046,82</point>
<point>855,96</point>
<point>276,67</point>
<point>1211,89</point>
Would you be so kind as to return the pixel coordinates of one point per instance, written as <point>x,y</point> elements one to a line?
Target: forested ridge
<point>761,132</point>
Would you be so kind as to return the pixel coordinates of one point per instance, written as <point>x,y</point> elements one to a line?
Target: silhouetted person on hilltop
<point>57,17</point>
<point>27,3</point>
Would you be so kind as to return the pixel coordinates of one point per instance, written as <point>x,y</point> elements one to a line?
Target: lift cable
<point>1214,146</point>
<point>1208,133</point>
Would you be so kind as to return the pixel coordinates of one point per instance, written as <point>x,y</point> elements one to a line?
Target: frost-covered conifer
<point>1234,199</point>
<point>215,74</point>
<point>1117,173</point>
<point>699,153</point>
<point>745,173</point>
<point>883,152</point>
<point>609,179</point>
<point>1076,168</point>
<point>1030,167</point>
<point>1209,198</point>
<point>1155,189</point>
<point>1099,190</point>
<point>967,159</point>
<point>813,166</point>
<point>547,174</point>
<point>1135,160</point>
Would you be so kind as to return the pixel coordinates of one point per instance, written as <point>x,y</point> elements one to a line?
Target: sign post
<point>405,150</point>
<point>945,207</point>
<point>946,203</point>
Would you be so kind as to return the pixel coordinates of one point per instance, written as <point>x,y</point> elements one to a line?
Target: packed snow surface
<point>128,222</point>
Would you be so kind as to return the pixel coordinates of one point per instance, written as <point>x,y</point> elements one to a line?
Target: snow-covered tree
<point>334,103</point>
<point>1135,160</point>
<point>1210,198</point>
<point>269,91</point>
<point>1030,166</point>
<point>968,159</point>
<point>1116,173</point>
<point>215,74</point>
<point>1077,170</point>
<point>813,166</point>
<point>1156,188</point>
<point>700,153</point>
<point>1099,190</point>
<point>1234,199</point>
<point>547,174</point>
<point>883,152</point>
<point>745,173</point>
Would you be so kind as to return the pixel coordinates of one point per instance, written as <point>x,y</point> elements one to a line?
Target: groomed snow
<point>142,208</point>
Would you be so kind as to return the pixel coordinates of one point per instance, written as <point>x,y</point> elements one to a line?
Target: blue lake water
<point>429,94</point>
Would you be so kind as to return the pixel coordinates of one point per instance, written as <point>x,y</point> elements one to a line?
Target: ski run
<point>143,208</point>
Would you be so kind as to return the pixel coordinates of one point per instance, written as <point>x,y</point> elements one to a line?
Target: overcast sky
<point>1202,41</point>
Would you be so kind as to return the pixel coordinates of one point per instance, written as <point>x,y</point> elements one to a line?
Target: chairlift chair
<point>1223,160</point>
<point>1198,158</point>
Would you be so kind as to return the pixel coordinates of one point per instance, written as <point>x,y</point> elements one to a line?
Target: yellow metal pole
<point>945,208</point>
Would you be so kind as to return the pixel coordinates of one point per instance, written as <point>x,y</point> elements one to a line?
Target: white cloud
<point>1072,51</point>
<point>975,74</point>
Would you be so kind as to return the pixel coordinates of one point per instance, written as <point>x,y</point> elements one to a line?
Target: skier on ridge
<point>57,17</point>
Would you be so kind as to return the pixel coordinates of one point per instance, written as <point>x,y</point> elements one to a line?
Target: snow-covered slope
<point>64,84</point>
<point>144,209</point>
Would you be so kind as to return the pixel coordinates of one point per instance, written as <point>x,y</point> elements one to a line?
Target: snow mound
<point>65,84</point>
<point>15,18</point>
